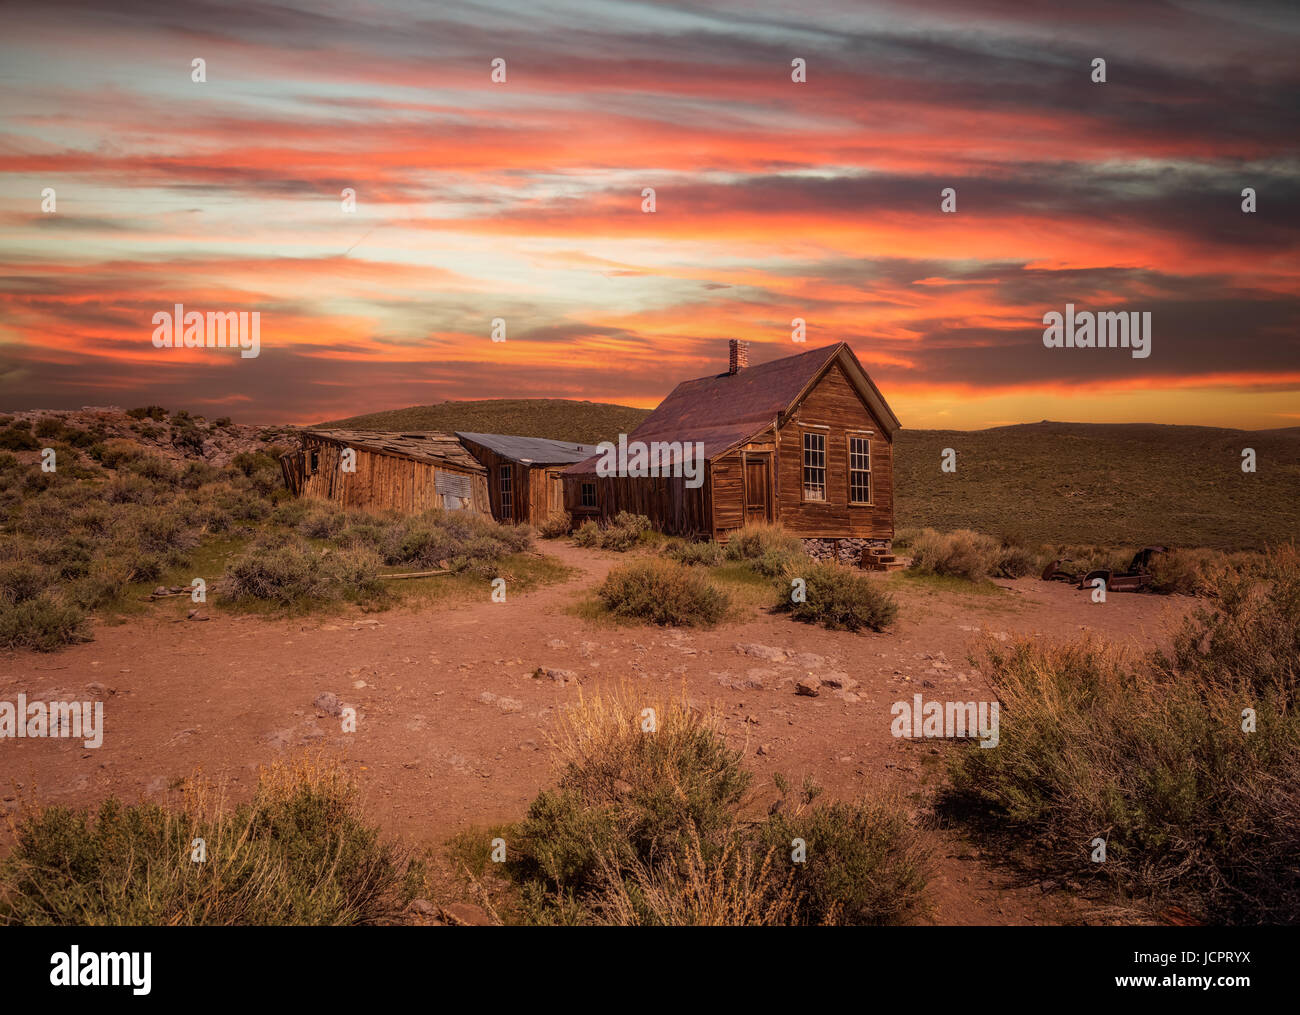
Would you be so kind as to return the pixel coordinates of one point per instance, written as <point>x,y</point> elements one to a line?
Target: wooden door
<point>758,488</point>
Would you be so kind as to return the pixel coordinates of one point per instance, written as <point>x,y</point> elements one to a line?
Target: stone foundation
<point>843,551</point>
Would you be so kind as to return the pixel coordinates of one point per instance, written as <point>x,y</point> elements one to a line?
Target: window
<point>859,470</point>
<point>589,495</point>
<point>507,494</point>
<point>313,461</point>
<point>814,466</point>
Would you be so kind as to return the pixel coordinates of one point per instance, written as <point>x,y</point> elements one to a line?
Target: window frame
<point>506,491</point>
<point>871,491</point>
<point>804,467</point>
<point>582,496</point>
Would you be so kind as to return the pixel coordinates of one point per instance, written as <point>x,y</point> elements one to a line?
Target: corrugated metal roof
<point>529,450</point>
<point>726,409</point>
<point>426,446</point>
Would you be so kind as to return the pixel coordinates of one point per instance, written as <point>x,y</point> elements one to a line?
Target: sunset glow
<point>775,200</point>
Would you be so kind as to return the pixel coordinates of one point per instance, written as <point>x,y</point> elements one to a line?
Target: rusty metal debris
<point>1136,578</point>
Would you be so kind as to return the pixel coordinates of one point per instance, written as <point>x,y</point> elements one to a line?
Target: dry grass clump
<point>959,554</point>
<point>626,531</point>
<point>645,827</point>
<point>297,853</point>
<point>705,553</point>
<point>295,574</point>
<point>1197,798</point>
<point>767,550</point>
<point>556,526</point>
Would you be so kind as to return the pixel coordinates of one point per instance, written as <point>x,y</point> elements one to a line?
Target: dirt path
<point>452,724</point>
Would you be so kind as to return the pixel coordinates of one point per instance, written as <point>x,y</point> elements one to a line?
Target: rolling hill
<point>1100,483</point>
<point>557,418</point>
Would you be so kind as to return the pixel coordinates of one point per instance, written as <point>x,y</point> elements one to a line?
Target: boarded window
<point>589,495</point>
<point>859,470</point>
<point>507,493</point>
<point>454,490</point>
<point>814,466</point>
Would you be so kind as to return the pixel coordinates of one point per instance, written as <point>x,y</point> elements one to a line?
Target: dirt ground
<point>452,725</point>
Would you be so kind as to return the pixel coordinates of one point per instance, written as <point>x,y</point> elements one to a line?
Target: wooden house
<point>805,441</point>
<point>407,472</point>
<point>524,474</point>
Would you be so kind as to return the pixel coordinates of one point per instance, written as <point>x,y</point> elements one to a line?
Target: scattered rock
<point>838,680</point>
<point>561,677</point>
<point>768,652</point>
<point>808,686</point>
<point>423,907</point>
<point>328,703</point>
<point>501,702</point>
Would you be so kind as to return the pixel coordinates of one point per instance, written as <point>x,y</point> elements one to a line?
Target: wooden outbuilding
<point>805,441</point>
<point>525,481</point>
<point>373,470</point>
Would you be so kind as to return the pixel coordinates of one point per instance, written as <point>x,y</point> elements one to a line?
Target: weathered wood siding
<point>668,502</point>
<point>832,407</point>
<point>380,482</point>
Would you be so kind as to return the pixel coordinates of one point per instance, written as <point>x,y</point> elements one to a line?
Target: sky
<point>774,199</point>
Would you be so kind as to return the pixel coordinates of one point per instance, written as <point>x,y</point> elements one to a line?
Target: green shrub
<point>22,580</point>
<point>322,523</point>
<point>43,623</point>
<point>298,854</point>
<point>1193,809</point>
<point>460,539</point>
<point>701,554</point>
<point>837,598</point>
<point>186,436</point>
<point>294,574</point>
<point>864,863</point>
<point>154,412</point>
<point>662,592</point>
<point>249,462</point>
<point>17,438</point>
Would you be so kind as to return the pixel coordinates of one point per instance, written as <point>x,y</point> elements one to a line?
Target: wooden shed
<point>407,472</point>
<point>805,441</point>
<point>525,481</point>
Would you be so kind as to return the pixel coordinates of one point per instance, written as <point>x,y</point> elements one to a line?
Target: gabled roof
<point>727,409</point>
<point>429,446</point>
<point>530,450</point>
